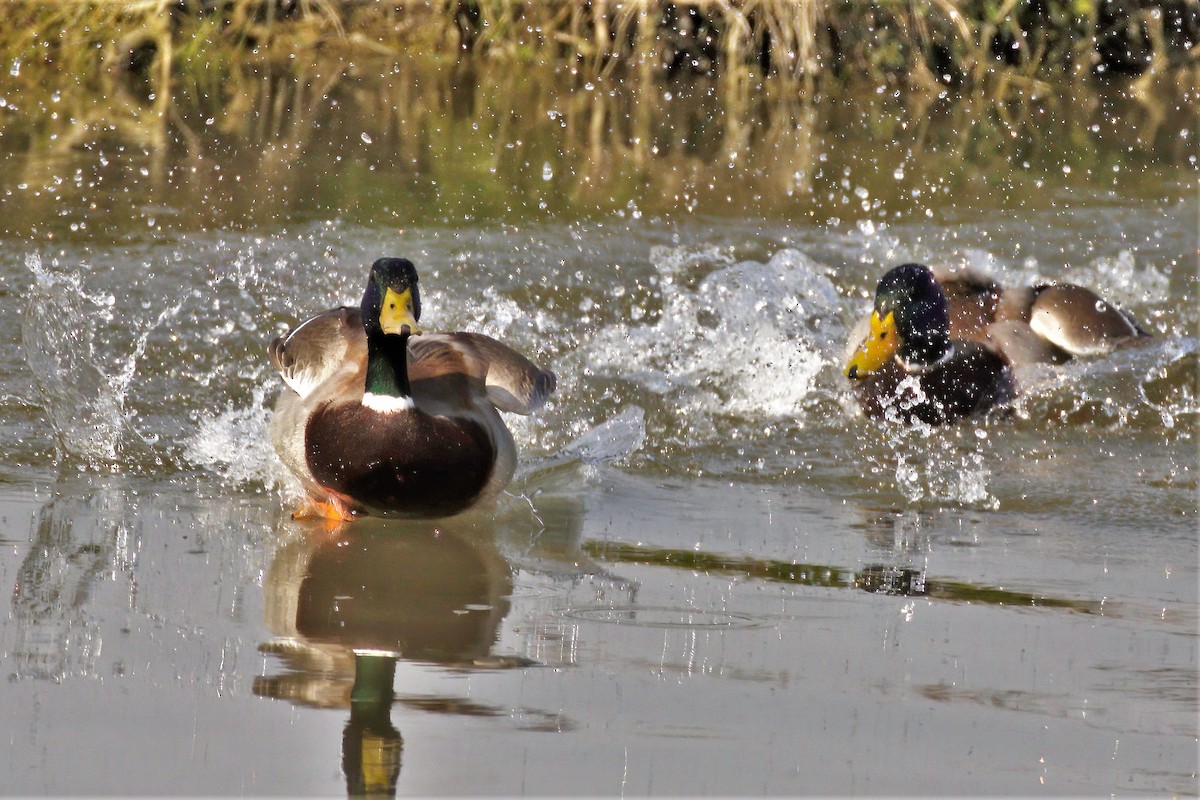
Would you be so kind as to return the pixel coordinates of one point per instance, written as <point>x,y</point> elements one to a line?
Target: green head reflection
<point>371,744</point>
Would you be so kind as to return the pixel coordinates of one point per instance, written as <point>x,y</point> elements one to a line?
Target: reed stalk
<point>920,42</point>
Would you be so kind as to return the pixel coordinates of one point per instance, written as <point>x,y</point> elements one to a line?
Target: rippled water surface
<point>711,574</point>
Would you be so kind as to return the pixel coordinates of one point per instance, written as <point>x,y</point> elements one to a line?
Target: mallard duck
<point>378,417</point>
<point>940,348</point>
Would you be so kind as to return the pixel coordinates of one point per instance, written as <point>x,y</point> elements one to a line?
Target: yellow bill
<point>397,312</point>
<point>879,346</point>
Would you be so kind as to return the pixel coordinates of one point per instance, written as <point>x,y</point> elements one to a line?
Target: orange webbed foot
<point>331,510</point>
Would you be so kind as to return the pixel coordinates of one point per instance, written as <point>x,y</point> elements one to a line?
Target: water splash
<point>82,376</point>
<point>613,441</point>
<point>909,396</point>
<point>234,444</point>
<point>1122,280</point>
<point>745,340</point>
<point>942,465</point>
<point>1119,279</point>
<point>958,478</point>
<point>1151,385</point>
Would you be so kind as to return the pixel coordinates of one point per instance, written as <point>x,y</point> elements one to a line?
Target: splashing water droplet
<point>745,340</point>
<point>940,465</point>
<point>614,439</point>
<point>81,381</point>
<point>234,443</point>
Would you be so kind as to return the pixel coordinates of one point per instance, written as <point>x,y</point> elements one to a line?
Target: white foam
<point>746,340</point>
<point>1122,280</point>
<point>235,445</point>
<point>613,441</point>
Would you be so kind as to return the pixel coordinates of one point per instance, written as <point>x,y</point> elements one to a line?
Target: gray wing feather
<point>318,347</point>
<point>1080,321</point>
<point>513,382</point>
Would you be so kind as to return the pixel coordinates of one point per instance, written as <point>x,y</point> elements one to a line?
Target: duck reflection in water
<point>346,605</point>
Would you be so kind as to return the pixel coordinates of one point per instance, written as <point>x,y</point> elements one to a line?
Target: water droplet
<point>366,139</point>
<point>547,171</point>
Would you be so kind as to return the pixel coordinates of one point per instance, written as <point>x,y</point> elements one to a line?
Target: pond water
<point>711,574</point>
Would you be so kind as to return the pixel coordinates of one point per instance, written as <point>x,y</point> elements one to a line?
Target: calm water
<point>711,575</point>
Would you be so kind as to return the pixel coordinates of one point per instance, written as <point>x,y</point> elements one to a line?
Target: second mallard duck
<point>378,417</point>
<point>941,348</point>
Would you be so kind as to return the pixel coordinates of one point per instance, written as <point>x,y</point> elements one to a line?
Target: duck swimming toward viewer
<point>941,348</point>
<point>378,417</point>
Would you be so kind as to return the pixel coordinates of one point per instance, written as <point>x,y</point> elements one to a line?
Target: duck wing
<point>1045,323</point>
<point>1080,321</point>
<point>315,349</point>
<point>512,382</point>
<point>973,301</point>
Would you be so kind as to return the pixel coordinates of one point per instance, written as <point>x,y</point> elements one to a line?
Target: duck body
<point>975,380</point>
<point>379,419</point>
<point>941,347</point>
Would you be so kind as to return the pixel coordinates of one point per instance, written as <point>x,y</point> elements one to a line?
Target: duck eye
<point>883,335</point>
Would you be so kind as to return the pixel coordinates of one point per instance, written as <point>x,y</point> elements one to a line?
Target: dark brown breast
<point>408,463</point>
<point>975,380</point>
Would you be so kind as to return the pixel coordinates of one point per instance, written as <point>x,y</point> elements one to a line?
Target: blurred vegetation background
<point>482,109</point>
<point>919,43</point>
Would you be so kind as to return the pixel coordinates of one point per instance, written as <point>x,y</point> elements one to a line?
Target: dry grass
<point>919,42</point>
